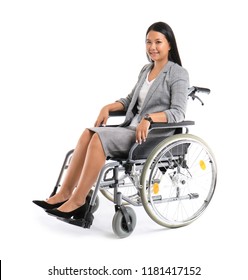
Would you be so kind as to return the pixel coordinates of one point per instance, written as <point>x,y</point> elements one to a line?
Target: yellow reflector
<point>202,165</point>
<point>155,188</point>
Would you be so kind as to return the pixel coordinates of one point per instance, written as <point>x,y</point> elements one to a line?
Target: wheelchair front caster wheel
<point>119,223</point>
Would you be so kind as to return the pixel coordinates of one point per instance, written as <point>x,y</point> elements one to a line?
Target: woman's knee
<point>86,136</point>
<point>95,140</point>
<point>96,144</point>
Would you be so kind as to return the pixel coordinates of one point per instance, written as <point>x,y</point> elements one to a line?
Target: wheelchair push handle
<point>193,90</point>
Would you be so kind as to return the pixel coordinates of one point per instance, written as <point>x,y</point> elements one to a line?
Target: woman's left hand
<point>142,131</point>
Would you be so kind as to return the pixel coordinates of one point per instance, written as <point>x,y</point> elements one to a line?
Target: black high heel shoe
<point>47,206</point>
<point>78,213</point>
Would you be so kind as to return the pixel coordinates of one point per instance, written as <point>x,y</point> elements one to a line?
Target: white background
<point>60,62</point>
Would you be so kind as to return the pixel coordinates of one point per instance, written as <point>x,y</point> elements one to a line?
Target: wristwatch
<point>148,118</point>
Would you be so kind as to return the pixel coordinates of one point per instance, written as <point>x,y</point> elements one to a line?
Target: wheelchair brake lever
<point>193,96</point>
<point>197,97</point>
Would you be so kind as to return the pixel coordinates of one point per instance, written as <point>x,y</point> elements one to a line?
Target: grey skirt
<point>116,141</point>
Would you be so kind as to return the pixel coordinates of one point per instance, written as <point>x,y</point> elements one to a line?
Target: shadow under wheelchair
<point>172,178</point>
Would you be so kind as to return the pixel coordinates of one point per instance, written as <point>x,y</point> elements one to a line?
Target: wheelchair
<point>173,178</point>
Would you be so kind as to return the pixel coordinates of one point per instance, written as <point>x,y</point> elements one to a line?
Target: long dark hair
<point>165,29</point>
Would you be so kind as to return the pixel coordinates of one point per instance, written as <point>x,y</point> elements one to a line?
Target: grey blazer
<point>168,94</point>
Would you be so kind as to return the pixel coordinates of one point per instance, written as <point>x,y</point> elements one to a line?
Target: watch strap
<point>148,118</point>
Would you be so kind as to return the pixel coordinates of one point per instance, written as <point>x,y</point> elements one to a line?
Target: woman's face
<point>157,47</point>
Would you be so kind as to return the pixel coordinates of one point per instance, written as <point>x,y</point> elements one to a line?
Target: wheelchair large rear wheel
<point>178,180</point>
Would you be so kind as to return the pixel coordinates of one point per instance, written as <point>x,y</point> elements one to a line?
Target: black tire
<point>119,224</point>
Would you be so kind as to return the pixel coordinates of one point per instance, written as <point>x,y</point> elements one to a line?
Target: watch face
<point>148,118</point>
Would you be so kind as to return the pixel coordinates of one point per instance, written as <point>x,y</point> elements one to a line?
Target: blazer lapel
<point>155,84</point>
<point>133,105</point>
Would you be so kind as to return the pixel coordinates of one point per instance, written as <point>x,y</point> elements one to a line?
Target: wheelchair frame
<point>168,159</point>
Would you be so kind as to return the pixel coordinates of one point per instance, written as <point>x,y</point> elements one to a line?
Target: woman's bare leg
<point>94,161</point>
<point>74,170</point>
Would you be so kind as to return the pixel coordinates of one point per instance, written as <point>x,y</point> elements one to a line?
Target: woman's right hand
<point>102,117</point>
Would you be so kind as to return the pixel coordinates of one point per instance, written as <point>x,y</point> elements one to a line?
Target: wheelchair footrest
<point>76,222</point>
<point>86,222</point>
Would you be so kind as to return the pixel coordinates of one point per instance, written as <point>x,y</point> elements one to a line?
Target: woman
<point>160,95</point>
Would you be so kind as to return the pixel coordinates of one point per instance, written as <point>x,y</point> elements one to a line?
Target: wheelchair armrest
<point>117,113</point>
<point>159,125</point>
<point>155,124</point>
